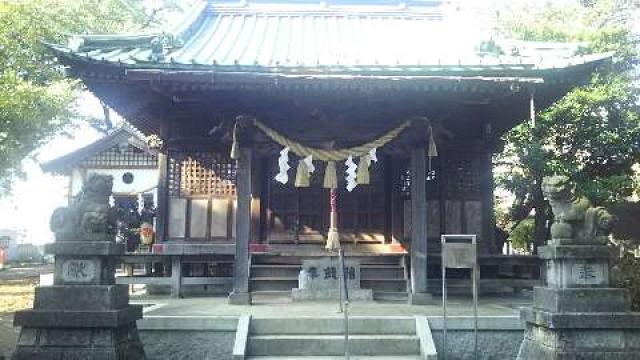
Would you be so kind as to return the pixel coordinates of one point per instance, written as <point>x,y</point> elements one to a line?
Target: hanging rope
<point>330,155</point>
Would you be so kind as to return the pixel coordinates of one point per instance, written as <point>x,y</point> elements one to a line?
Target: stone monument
<point>320,280</point>
<point>577,315</point>
<point>84,315</point>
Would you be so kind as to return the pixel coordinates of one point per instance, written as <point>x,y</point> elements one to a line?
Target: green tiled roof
<point>324,39</point>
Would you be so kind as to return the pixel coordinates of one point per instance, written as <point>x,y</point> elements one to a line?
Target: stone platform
<point>84,315</point>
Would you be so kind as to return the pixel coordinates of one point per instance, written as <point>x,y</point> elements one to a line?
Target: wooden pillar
<point>256,198</point>
<point>488,236</point>
<point>419,294</point>
<point>240,294</point>
<point>162,205</point>
<point>176,277</point>
<point>397,201</point>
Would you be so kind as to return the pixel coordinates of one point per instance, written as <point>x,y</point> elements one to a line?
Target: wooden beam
<point>397,201</point>
<point>256,191</point>
<point>162,198</point>
<point>240,294</point>
<point>176,277</point>
<point>419,294</point>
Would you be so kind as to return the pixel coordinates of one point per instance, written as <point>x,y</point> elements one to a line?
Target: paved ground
<point>283,307</point>
<point>20,282</point>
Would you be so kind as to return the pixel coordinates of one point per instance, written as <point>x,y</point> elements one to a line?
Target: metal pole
<point>340,280</point>
<point>444,306</point>
<point>344,289</point>
<point>474,273</point>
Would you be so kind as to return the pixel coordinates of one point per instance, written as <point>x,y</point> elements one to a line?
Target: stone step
<point>272,284</point>
<point>332,345</point>
<point>378,271</point>
<point>396,296</point>
<point>385,357</point>
<point>288,283</point>
<point>333,326</point>
<point>266,259</point>
<point>384,285</point>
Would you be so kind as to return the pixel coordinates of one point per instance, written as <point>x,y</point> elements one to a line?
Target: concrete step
<point>384,285</point>
<point>290,259</point>
<point>367,272</point>
<point>333,326</point>
<point>396,296</point>
<point>273,284</point>
<point>332,345</point>
<point>385,357</point>
<point>262,271</point>
<point>381,272</point>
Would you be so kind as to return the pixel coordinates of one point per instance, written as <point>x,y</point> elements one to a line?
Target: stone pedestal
<point>577,315</point>
<point>320,280</point>
<point>84,315</point>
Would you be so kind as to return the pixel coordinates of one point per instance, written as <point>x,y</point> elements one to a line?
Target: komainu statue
<point>89,217</point>
<point>577,221</point>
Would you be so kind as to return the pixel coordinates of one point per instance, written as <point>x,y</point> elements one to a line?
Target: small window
<point>127,178</point>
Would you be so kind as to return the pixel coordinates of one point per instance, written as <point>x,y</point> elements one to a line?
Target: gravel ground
<point>16,292</point>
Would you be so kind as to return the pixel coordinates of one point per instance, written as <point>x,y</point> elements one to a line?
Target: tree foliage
<point>593,133</point>
<point>34,93</point>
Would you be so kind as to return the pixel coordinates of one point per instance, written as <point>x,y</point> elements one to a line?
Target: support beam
<point>240,294</point>
<point>162,198</point>
<point>176,277</point>
<point>397,201</point>
<point>419,294</point>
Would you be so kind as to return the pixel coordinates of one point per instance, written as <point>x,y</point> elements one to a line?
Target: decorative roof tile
<point>285,37</point>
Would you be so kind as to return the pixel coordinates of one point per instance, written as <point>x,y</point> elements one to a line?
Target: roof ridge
<point>429,9</point>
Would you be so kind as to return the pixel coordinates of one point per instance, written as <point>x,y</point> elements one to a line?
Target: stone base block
<point>81,298</point>
<point>85,248</point>
<point>122,343</point>
<point>78,319</point>
<point>582,299</point>
<point>581,320</point>
<point>330,294</point>
<point>555,252</point>
<point>420,299</point>
<point>542,343</point>
<point>237,298</point>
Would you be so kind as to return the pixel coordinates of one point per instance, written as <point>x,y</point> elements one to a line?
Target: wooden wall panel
<point>177,217</point>
<point>453,216</point>
<point>219,217</point>
<point>198,220</point>
<point>473,217</point>
<point>433,219</point>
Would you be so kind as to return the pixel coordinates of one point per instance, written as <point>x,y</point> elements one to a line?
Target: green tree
<point>593,133</point>
<point>34,93</point>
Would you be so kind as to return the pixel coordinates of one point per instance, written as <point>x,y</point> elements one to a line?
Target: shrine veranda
<point>226,226</point>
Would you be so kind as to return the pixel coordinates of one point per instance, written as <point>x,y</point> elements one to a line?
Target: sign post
<point>459,252</point>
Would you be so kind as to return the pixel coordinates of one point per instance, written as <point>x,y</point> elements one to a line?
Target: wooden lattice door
<point>302,214</point>
<point>201,196</point>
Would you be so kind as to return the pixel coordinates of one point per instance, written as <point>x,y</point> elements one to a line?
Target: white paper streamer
<point>352,168</point>
<point>309,161</point>
<point>373,156</point>
<point>283,164</point>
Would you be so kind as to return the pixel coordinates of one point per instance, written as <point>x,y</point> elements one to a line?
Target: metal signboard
<point>459,252</point>
<point>458,255</point>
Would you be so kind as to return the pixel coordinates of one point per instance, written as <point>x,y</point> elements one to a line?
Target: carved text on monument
<point>78,271</point>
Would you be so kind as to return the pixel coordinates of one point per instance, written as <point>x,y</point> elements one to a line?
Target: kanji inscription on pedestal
<point>324,273</point>
<point>585,273</point>
<point>78,271</point>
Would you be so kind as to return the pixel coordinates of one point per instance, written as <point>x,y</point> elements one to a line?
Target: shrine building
<point>399,94</point>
